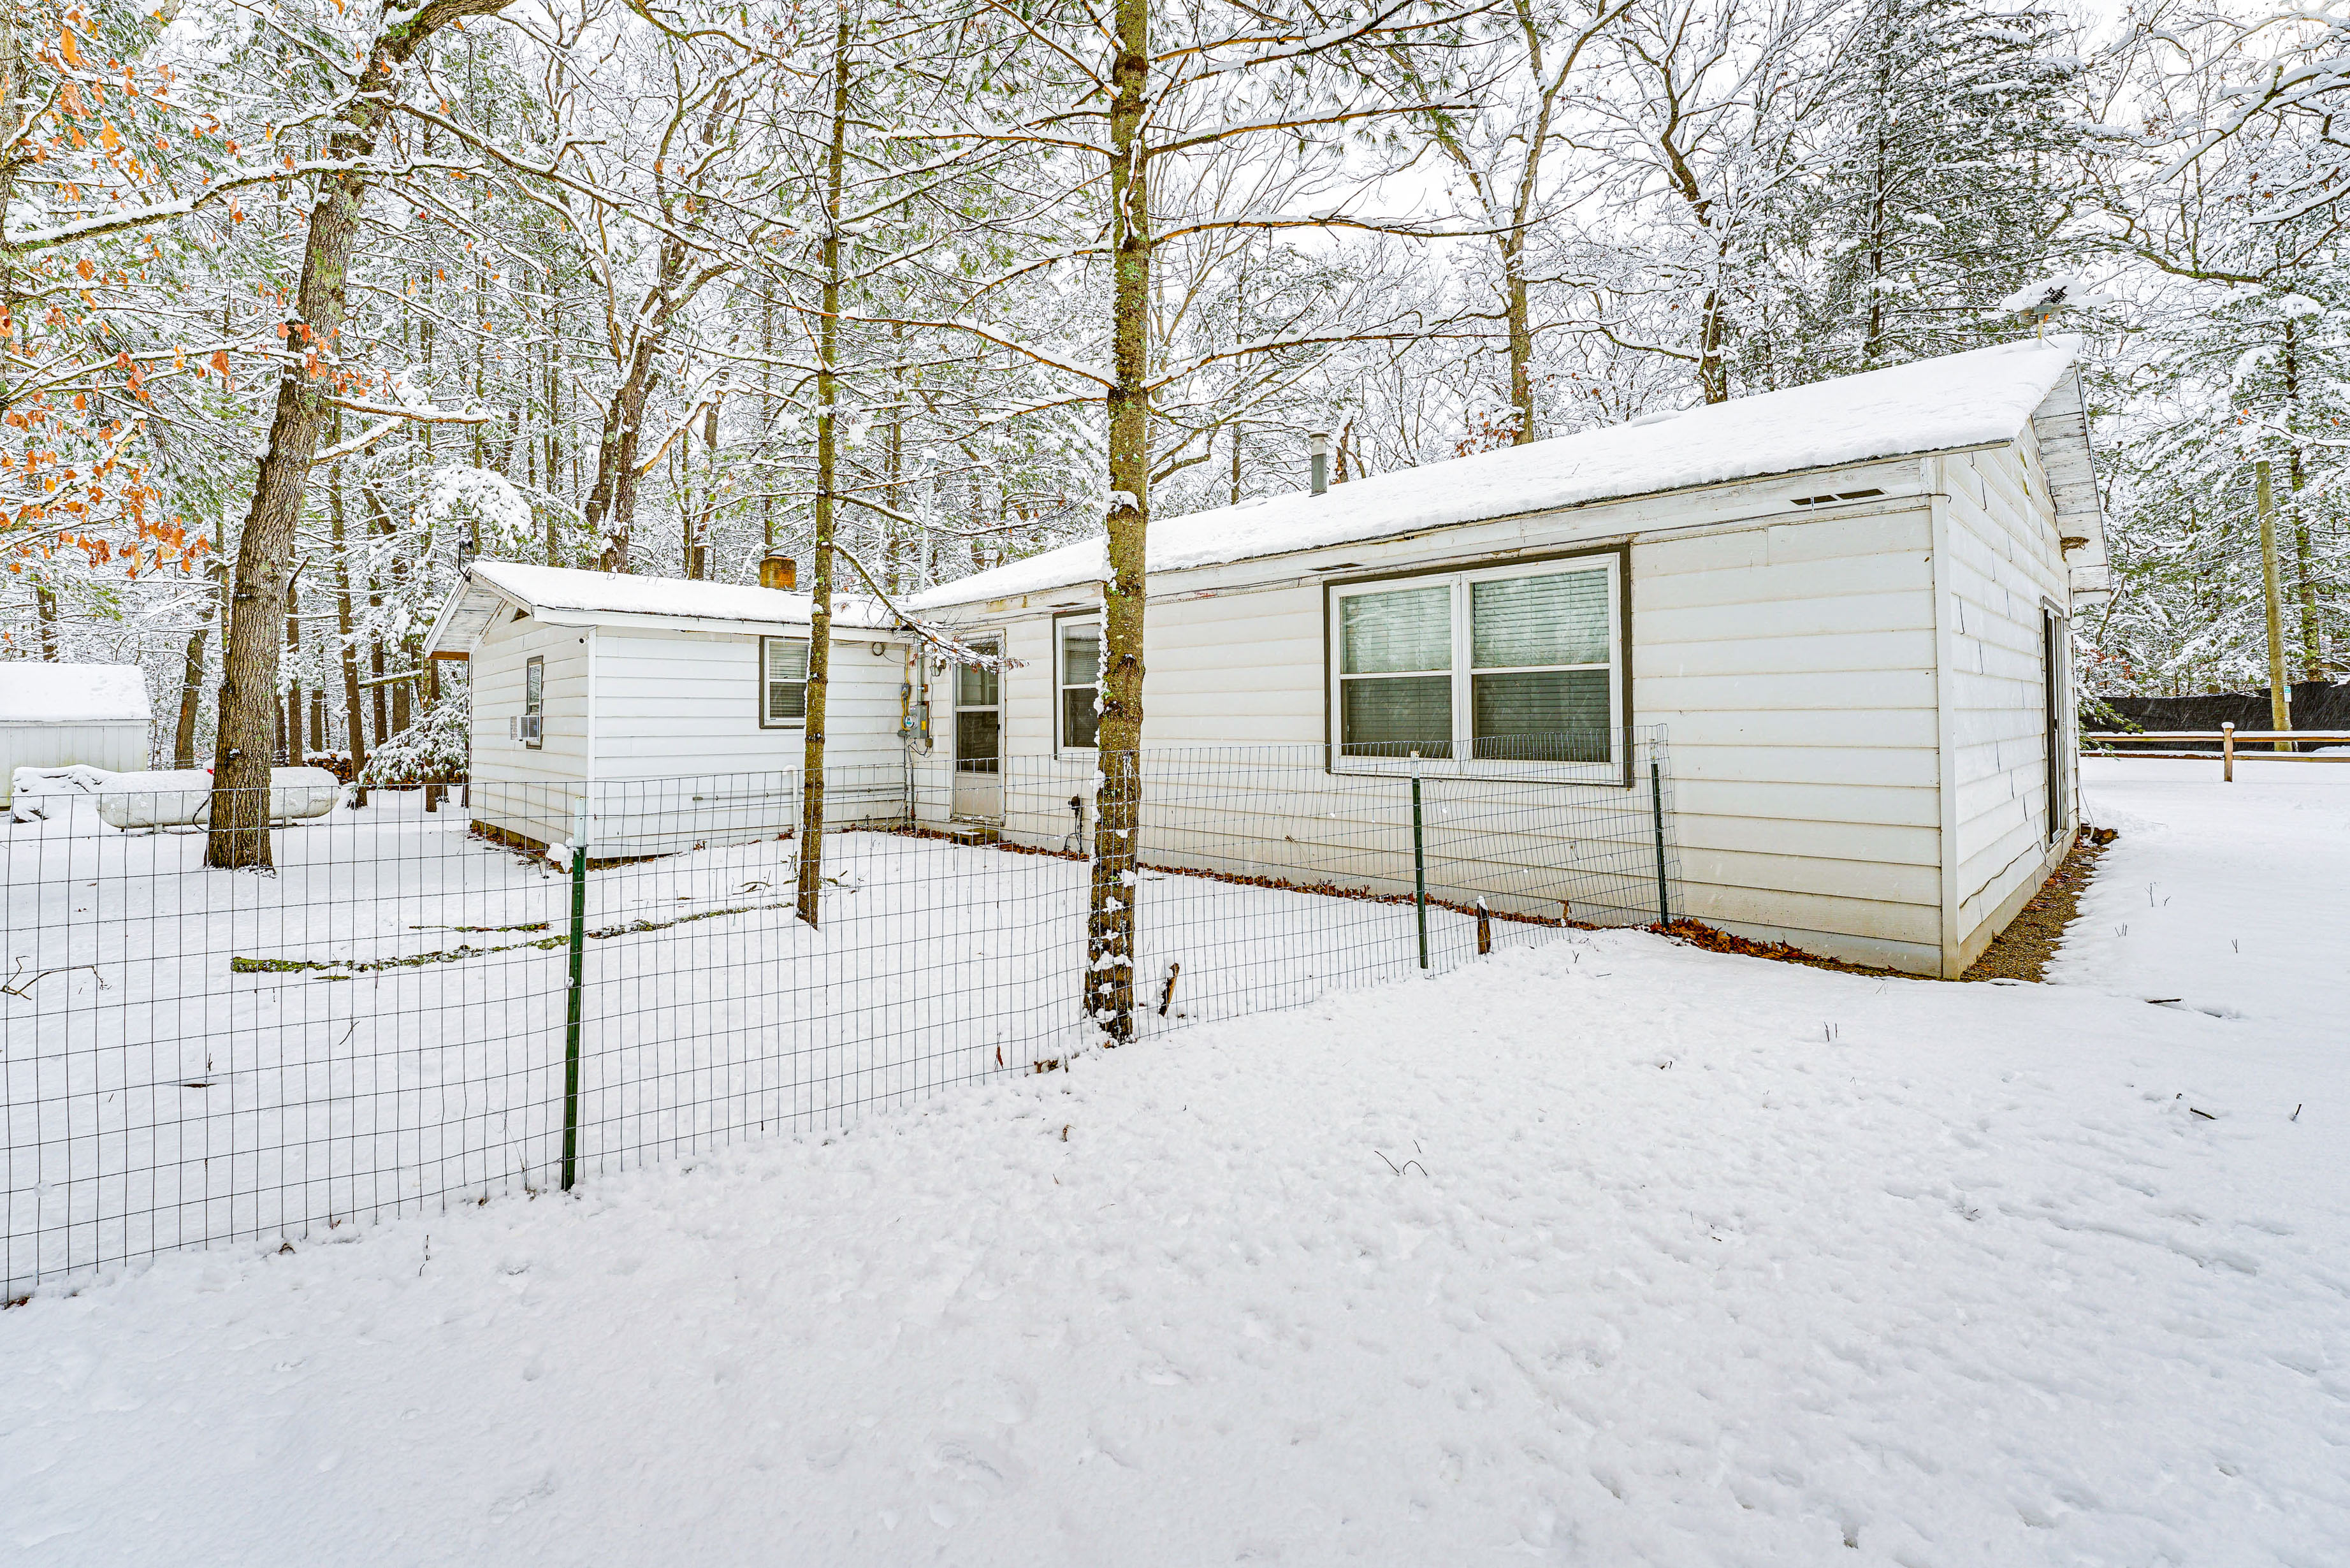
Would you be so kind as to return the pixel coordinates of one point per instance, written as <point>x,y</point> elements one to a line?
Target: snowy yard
<point>378,1028</point>
<point>1607,1251</point>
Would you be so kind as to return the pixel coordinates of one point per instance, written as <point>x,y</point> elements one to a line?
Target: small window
<point>534,703</point>
<point>783,685</point>
<point>1079,662</point>
<point>1517,664</point>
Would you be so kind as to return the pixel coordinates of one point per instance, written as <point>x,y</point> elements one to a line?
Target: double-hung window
<point>1499,666</point>
<point>1076,642</point>
<point>531,730</point>
<point>783,682</point>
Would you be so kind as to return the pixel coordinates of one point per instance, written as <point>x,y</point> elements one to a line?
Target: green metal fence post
<point>572,1003</point>
<point>1657,821</point>
<point>1419,864</point>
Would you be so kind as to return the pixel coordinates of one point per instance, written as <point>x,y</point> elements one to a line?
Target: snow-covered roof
<point>566,597</point>
<point>35,692</point>
<point>1976,399</point>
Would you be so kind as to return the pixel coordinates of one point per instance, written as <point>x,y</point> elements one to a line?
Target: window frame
<point>1613,559</point>
<point>533,736</point>
<point>767,721</point>
<point>1062,745</point>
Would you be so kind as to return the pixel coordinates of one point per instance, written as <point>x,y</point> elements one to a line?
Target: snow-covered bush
<point>434,748</point>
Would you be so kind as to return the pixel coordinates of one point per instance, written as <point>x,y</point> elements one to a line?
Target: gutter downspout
<point>1946,715</point>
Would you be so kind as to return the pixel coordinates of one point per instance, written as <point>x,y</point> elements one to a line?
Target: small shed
<point>58,715</point>
<point>1848,605</point>
<point>675,708</point>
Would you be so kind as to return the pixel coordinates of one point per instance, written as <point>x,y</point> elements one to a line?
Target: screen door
<point>979,738</point>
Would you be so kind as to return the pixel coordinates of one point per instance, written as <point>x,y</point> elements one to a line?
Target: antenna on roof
<point>1319,445</point>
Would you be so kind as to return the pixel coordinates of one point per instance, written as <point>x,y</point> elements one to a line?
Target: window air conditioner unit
<point>529,727</point>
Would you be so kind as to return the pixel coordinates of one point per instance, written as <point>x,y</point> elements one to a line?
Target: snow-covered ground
<point>1609,1251</point>
<point>379,1027</point>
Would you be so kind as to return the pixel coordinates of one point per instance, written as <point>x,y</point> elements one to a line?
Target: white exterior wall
<point>668,705</point>
<point>1791,660</point>
<point>119,747</point>
<point>1793,665</point>
<point>1841,703</point>
<point>681,757</point>
<point>516,788</point>
<point>2006,565</point>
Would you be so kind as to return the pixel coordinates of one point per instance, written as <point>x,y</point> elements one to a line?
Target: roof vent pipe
<point>779,572</point>
<point>1320,446</point>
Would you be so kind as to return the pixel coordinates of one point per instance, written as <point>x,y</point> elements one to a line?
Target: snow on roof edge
<point>35,691</point>
<point>556,591</point>
<point>1942,404</point>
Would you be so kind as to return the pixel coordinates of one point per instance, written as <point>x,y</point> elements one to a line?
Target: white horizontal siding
<point>1793,669</point>
<point>516,788</point>
<point>1792,664</point>
<point>674,704</point>
<point>121,747</point>
<point>2006,565</point>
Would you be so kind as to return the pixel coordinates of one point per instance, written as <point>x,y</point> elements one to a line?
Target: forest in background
<point>662,288</point>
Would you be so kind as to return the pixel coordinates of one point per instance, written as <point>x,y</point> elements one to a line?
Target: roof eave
<point>1715,484</point>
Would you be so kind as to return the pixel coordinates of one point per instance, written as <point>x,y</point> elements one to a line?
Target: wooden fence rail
<point>2228,737</point>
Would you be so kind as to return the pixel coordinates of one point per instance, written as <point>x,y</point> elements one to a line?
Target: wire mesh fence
<point>540,982</point>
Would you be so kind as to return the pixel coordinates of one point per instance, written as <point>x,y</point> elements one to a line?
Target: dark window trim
<point>1623,552</point>
<point>1100,614</point>
<point>761,670</point>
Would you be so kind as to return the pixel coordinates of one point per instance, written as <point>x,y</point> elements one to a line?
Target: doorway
<point>979,737</point>
<point>2053,645</point>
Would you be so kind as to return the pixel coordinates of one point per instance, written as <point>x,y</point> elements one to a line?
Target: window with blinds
<point>1395,681</point>
<point>782,686</point>
<point>1080,682</point>
<point>1514,664</point>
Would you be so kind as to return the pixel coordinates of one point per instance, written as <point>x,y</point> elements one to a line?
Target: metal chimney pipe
<point>1320,446</point>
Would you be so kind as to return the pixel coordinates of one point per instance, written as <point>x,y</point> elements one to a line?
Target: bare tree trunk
<point>1109,924</point>
<point>554,423</point>
<point>612,504</point>
<point>2312,648</point>
<point>45,610</point>
<point>828,358</point>
<point>183,736</point>
<point>294,715</point>
<point>354,720</point>
<point>239,833</point>
<point>1521,337</point>
<point>766,412</point>
<point>375,684</point>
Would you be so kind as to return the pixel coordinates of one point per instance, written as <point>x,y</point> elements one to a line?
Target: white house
<point>58,715</point>
<point>1846,603</point>
<point>669,698</point>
